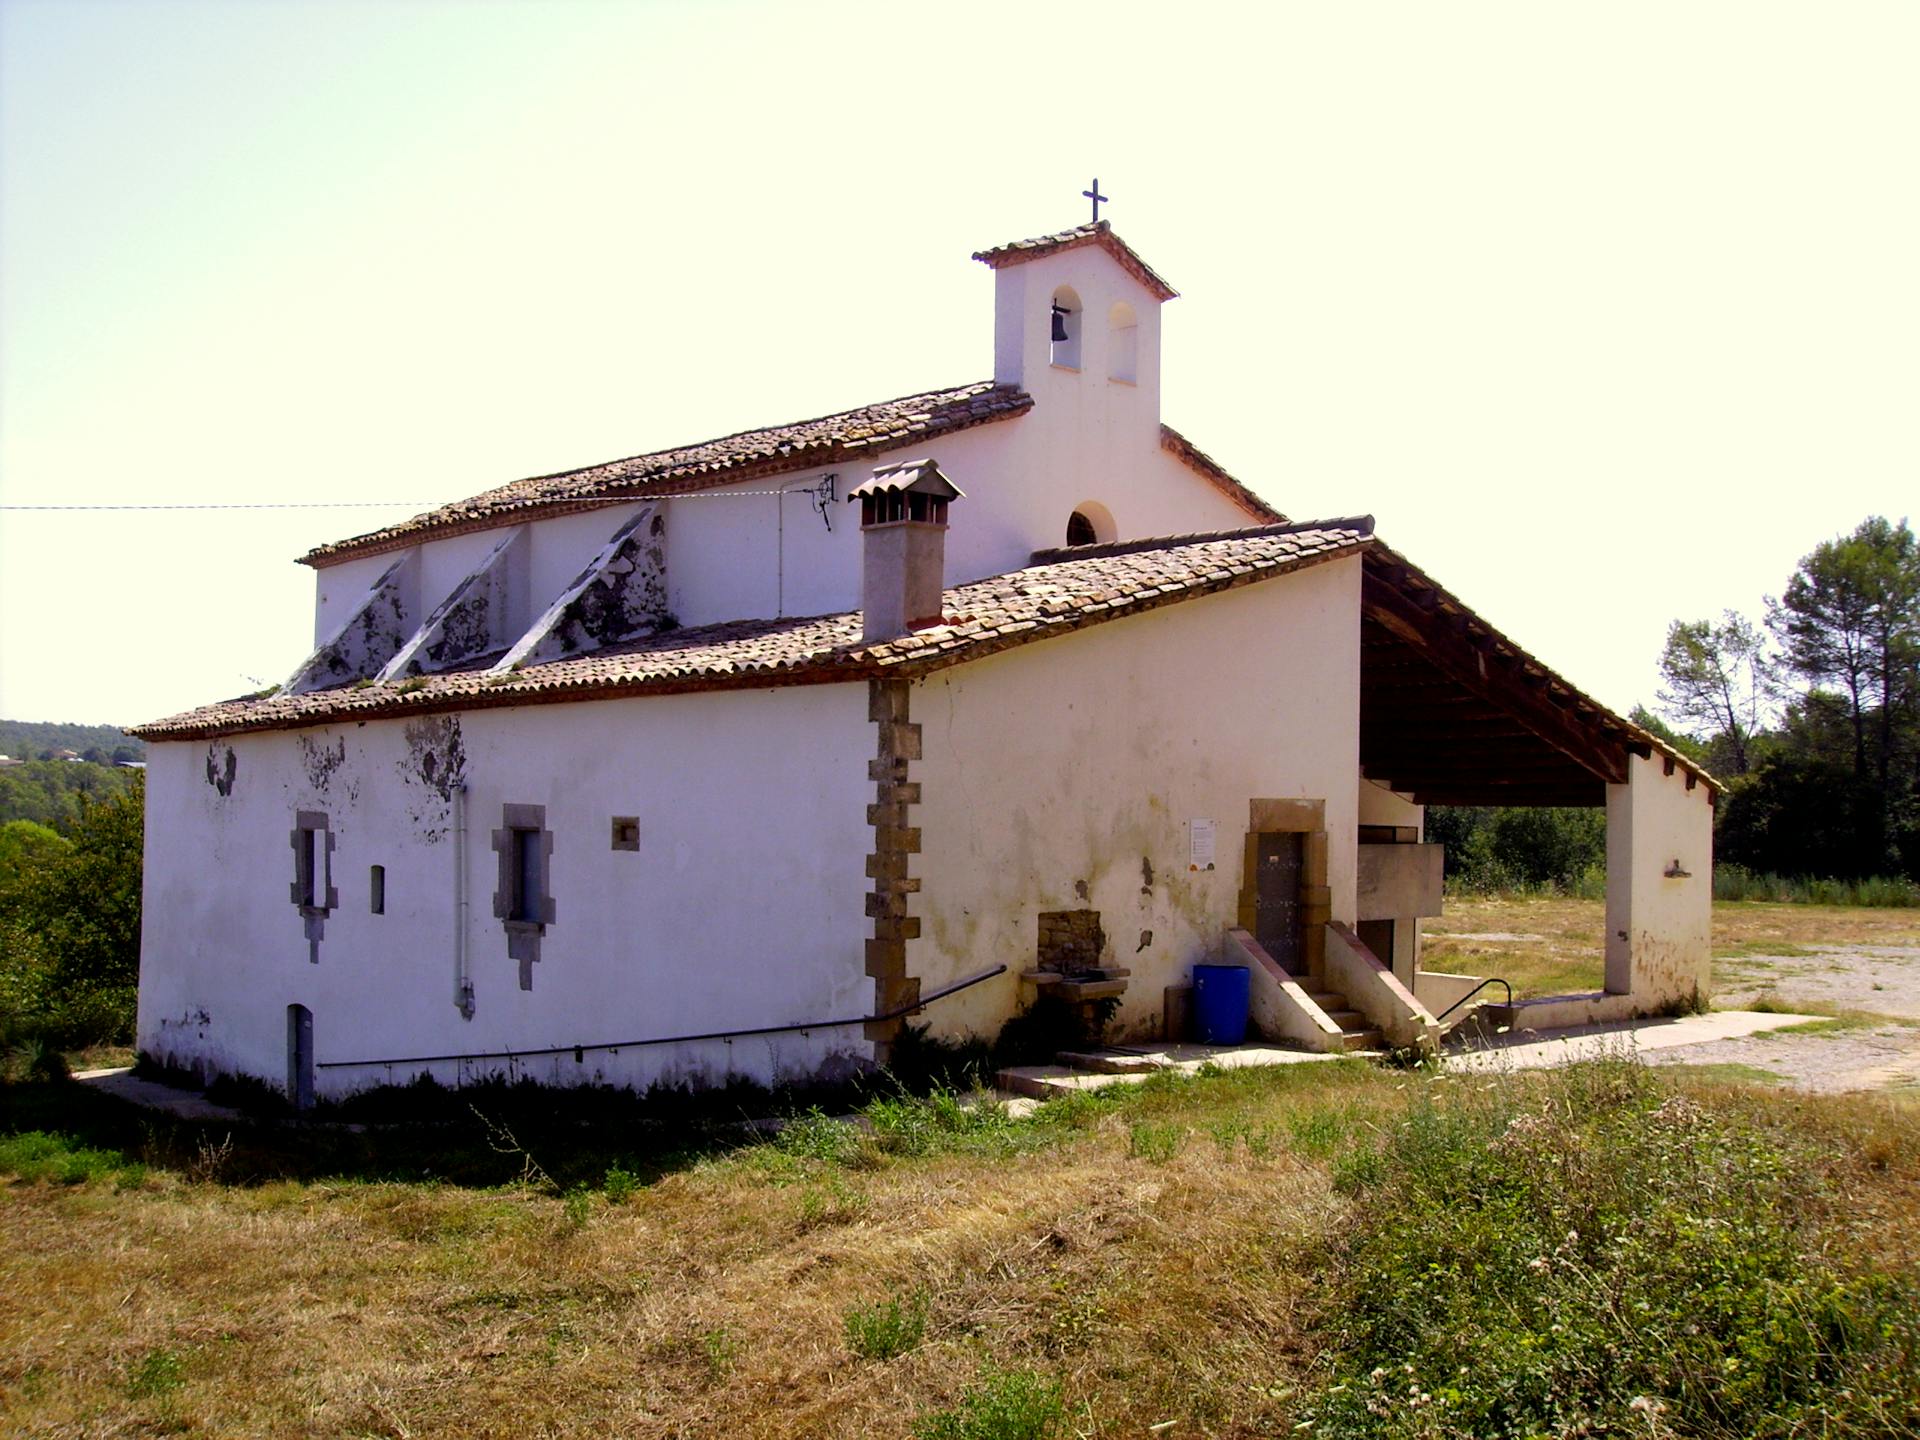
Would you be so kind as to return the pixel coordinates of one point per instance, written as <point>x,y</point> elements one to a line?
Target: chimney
<point>903,530</point>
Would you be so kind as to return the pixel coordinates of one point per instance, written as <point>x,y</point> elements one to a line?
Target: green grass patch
<point>1729,1072</point>
<point>37,1155</point>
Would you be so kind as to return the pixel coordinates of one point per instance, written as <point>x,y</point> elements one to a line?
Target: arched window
<point>1066,321</point>
<point>1123,344</point>
<point>1091,524</point>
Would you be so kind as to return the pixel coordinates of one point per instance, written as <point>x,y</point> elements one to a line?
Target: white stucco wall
<point>1058,775</point>
<point>744,904</point>
<point>1659,927</point>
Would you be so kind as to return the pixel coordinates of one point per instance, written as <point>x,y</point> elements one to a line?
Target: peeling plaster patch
<point>321,761</point>
<point>1080,889</point>
<point>220,771</point>
<point>436,761</point>
<point>1146,875</point>
<point>377,628</point>
<point>1146,939</point>
<point>621,595</point>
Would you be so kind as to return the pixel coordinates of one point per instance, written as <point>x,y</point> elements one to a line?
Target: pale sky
<point>1607,313</point>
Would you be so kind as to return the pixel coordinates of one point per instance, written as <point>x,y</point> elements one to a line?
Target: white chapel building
<point>970,697</point>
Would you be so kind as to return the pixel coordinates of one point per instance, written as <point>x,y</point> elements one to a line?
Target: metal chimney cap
<point>909,477</point>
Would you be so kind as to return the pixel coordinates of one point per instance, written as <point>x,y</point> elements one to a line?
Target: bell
<point>1059,324</point>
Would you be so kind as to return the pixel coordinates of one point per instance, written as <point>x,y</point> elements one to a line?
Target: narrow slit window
<point>523,899</point>
<point>525,906</point>
<point>377,890</point>
<point>312,889</point>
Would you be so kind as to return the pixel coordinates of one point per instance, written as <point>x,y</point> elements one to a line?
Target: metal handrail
<point>578,1050</point>
<point>1490,980</point>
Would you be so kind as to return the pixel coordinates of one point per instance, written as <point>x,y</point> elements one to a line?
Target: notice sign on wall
<point>1200,844</point>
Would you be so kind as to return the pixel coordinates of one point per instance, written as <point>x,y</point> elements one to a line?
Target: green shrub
<point>887,1328</point>
<point>816,1135</point>
<point>1605,1257</point>
<point>1736,882</point>
<point>620,1185</point>
<point>1003,1405</point>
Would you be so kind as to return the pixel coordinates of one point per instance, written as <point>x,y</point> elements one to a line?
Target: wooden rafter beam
<point>1499,682</point>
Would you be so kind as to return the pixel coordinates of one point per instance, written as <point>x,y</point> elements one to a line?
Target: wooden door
<point>1278,858</point>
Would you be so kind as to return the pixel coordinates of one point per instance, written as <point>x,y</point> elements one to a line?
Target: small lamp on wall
<point>1676,871</point>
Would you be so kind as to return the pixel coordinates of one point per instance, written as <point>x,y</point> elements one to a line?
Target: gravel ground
<point>1860,982</point>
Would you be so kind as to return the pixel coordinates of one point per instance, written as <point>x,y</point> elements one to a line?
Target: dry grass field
<point>1552,946</point>
<point>1169,1261</point>
<point>1220,1256</point>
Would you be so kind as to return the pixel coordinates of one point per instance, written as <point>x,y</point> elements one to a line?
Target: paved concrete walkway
<point>1526,1050</point>
<point>1531,1050</point>
<point>123,1084</point>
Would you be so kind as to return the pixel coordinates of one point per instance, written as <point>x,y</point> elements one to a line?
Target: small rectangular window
<point>525,905</point>
<point>626,832</point>
<point>523,900</point>
<point>377,889</point>
<point>312,888</point>
<point>309,864</point>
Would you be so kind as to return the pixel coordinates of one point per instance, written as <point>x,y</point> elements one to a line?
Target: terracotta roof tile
<point>1100,233</point>
<point>911,419</point>
<point>1062,591</point>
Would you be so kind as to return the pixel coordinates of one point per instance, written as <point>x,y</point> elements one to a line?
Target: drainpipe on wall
<point>462,981</point>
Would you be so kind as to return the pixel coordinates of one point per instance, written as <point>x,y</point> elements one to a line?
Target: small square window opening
<point>626,832</point>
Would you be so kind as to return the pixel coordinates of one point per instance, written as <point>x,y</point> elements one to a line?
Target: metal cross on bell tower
<point>1096,197</point>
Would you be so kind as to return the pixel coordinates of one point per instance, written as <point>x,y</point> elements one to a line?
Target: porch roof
<point>1454,713</point>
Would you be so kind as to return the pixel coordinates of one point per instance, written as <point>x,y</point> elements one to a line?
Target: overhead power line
<point>428,504</point>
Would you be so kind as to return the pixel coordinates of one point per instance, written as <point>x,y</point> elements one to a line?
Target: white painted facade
<point>1124,735</point>
<point>742,905</point>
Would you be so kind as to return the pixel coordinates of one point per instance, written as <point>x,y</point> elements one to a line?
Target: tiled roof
<point>1203,464</point>
<point>1062,591</point>
<point>1100,233</point>
<point>871,429</point>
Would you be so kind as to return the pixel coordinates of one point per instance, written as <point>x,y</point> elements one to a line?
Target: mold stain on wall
<point>434,767</point>
<point>222,766</point>
<point>321,761</point>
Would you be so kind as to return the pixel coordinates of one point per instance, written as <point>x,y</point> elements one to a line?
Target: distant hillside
<point>37,739</point>
<point>50,792</point>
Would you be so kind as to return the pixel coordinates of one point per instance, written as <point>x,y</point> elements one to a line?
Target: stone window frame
<point>307,886</point>
<point>523,935</point>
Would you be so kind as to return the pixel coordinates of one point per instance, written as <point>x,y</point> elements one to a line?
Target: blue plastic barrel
<point>1220,997</point>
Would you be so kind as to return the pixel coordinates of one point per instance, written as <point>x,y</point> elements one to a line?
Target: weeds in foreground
<point>1601,1255</point>
<point>1003,1405</point>
<point>887,1328</point>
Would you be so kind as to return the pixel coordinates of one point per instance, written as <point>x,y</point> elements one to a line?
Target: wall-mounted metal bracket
<point>823,497</point>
